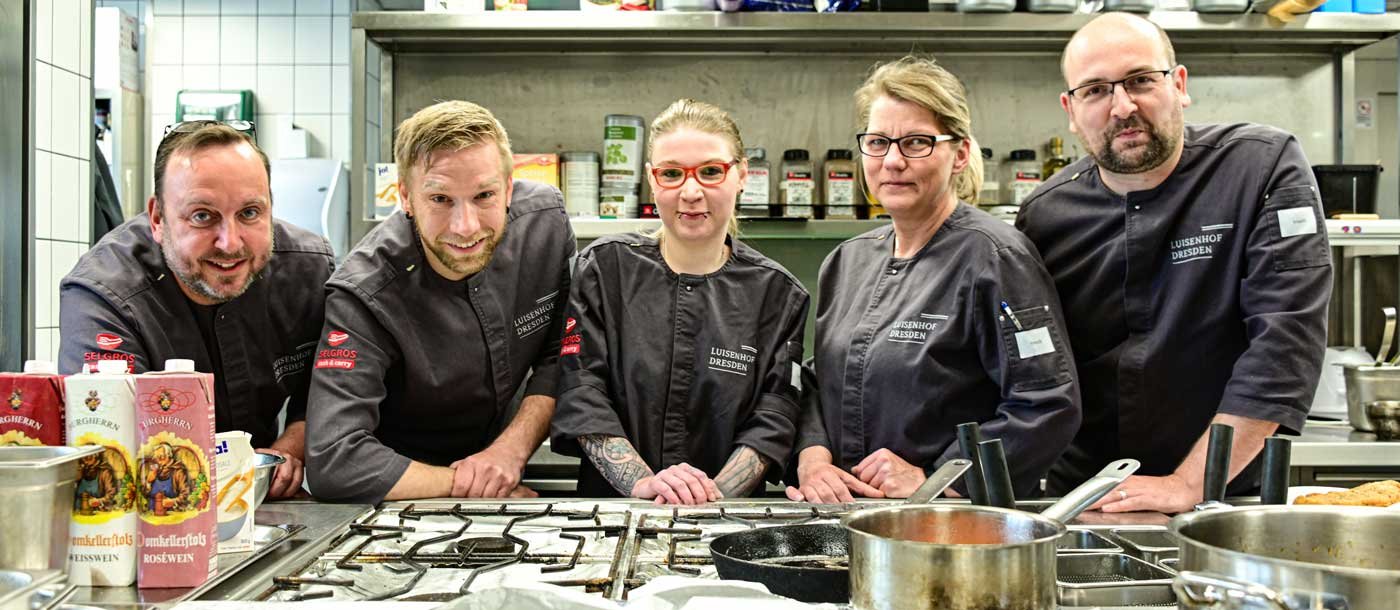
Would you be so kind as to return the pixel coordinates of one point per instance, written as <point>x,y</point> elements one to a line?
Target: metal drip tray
<point>1112,579</point>
<point>1150,545</point>
<point>1085,541</point>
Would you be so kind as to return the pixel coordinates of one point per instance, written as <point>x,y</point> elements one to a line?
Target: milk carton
<point>233,456</point>
<point>175,476</point>
<point>101,410</point>
<point>33,409</point>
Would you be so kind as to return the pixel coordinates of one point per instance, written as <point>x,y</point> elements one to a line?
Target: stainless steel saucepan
<point>965,557</point>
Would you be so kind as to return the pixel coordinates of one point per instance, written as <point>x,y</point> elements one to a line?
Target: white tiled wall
<point>62,204</point>
<point>293,54</point>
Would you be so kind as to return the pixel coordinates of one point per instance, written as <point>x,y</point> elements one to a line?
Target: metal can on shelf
<point>624,139</point>
<point>580,181</point>
<point>617,203</point>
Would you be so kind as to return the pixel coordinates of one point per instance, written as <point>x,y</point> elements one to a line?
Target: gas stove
<point>438,550</point>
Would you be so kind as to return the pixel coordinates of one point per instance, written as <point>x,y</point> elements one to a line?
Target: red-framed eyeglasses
<point>708,174</point>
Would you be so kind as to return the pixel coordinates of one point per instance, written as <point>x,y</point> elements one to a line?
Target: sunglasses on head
<point>192,126</point>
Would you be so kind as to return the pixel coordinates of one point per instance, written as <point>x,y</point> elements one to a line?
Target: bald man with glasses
<point>1193,267</point>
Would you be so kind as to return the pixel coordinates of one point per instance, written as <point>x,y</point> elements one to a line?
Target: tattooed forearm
<point>616,460</point>
<point>742,473</point>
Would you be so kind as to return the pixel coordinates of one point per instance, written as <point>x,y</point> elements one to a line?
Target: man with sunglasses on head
<point>1193,267</point>
<point>208,274</point>
<point>437,319</point>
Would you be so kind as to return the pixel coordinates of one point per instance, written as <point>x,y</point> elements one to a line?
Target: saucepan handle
<point>1084,496</point>
<point>1200,589</point>
<point>939,481</point>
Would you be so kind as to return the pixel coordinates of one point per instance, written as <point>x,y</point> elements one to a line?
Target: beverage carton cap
<point>179,365</point>
<point>112,367</point>
<point>40,366</point>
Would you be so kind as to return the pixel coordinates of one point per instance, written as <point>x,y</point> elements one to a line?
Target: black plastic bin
<point>1347,189</point>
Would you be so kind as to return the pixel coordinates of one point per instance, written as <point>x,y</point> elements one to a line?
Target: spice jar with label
<point>798,187</point>
<point>757,194</point>
<point>1022,176</point>
<point>839,184</point>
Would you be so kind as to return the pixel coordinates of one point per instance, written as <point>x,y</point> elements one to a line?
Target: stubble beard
<point>1150,156</point>
<point>465,265</point>
<point>200,285</point>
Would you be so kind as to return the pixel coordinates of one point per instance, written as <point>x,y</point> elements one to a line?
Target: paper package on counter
<point>233,456</point>
<point>662,593</point>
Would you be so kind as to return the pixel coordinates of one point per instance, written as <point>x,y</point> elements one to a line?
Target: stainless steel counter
<point>321,521</point>
<point>325,521</point>
<point>1337,444</point>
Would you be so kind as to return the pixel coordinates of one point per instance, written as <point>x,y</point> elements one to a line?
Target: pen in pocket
<point>1007,308</point>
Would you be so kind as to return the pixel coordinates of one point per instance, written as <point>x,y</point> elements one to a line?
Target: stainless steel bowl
<point>1385,419</point>
<point>264,465</point>
<point>1368,383</point>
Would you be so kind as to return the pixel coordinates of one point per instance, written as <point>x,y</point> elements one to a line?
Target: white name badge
<point>1297,221</point>
<point>1034,342</point>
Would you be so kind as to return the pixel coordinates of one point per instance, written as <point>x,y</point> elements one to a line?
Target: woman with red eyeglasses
<point>680,345</point>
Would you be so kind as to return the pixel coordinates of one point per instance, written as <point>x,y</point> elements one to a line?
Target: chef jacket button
<point>1137,207</point>
<point>893,271</point>
<point>687,288</point>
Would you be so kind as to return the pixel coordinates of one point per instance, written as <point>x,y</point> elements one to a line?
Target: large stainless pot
<point>963,557</point>
<point>36,505</point>
<point>1290,556</point>
<point>1367,383</point>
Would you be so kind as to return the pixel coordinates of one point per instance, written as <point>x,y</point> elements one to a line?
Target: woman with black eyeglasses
<point>945,317</point>
<point>680,346</point>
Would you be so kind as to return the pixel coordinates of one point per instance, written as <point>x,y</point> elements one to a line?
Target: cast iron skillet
<point>807,562</point>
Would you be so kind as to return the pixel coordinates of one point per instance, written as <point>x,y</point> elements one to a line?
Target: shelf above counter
<point>715,32</point>
<point>1340,233</point>
<point>764,228</point>
<point>1379,233</point>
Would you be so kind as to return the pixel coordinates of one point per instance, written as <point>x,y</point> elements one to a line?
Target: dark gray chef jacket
<point>686,367</point>
<point>1205,295</point>
<point>412,366</point>
<point>120,302</point>
<point>909,348</point>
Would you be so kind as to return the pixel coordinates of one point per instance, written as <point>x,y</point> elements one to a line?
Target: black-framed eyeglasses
<point>913,146</point>
<point>192,126</point>
<point>1133,84</point>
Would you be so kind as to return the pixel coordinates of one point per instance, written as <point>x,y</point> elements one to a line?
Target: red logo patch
<point>336,338</point>
<point>569,325</point>
<point>343,359</point>
<point>108,341</point>
<point>571,344</point>
<point>335,363</point>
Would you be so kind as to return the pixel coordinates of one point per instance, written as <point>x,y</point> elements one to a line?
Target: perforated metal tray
<point>1112,579</point>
